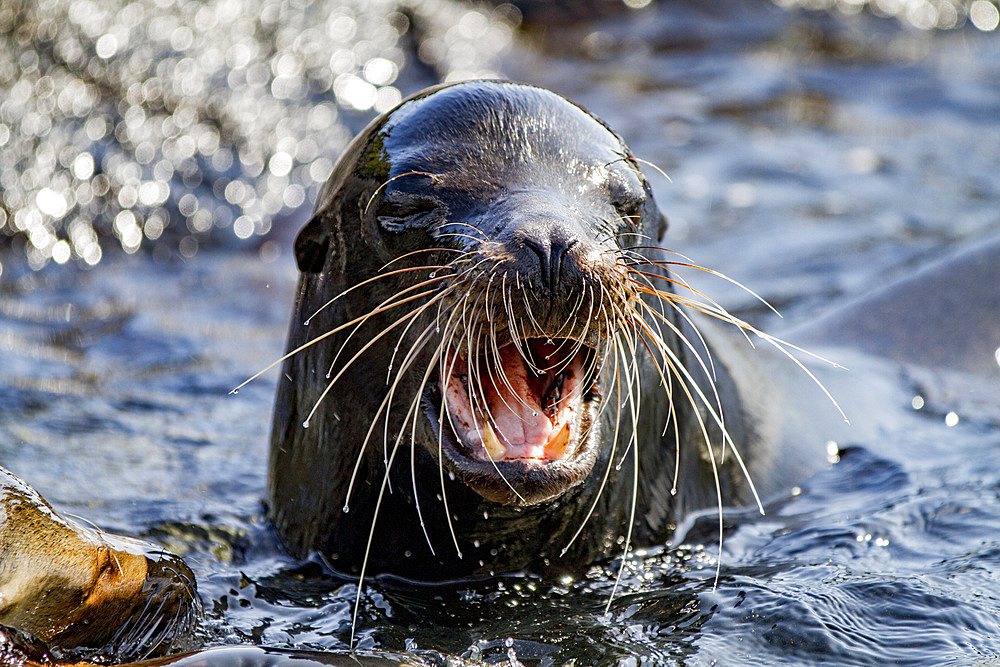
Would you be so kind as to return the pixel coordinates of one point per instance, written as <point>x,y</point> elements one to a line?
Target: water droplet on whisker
<point>305,424</point>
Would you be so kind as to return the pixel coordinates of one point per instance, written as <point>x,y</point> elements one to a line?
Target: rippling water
<point>156,158</point>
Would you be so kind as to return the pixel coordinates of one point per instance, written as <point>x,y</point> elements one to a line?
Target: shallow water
<point>812,155</point>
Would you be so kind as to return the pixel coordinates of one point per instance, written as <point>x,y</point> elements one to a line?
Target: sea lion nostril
<point>551,253</point>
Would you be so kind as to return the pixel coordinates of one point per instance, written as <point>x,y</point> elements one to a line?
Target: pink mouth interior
<point>532,414</point>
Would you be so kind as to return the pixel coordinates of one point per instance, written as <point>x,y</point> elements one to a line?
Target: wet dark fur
<point>508,173</point>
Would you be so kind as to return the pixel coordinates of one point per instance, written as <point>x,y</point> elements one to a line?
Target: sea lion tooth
<point>494,448</point>
<point>556,448</point>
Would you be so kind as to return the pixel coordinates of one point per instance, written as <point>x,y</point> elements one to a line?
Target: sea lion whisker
<point>438,299</point>
<point>775,342</point>
<point>412,414</point>
<point>378,276</point>
<point>462,223</point>
<point>668,388</point>
<point>374,339</point>
<point>697,353</point>
<point>100,536</point>
<point>662,313</point>
<point>462,281</point>
<point>616,382</point>
<point>632,158</point>
<point>716,414</point>
<point>709,368</point>
<point>615,235</point>
<point>413,459</point>
<point>451,423</point>
<point>779,345</point>
<point>587,321</point>
<point>641,235</point>
<point>368,545</point>
<point>578,341</point>
<point>420,251</point>
<point>475,381</point>
<point>415,349</point>
<point>676,363</point>
<point>691,265</point>
<point>434,178</point>
<point>154,625</point>
<point>679,281</point>
<point>520,339</point>
<point>566,360</point>
<point>688,383</point>
<point>459,235</point>
<point>633,403</point>
<point>325,335</point>
<point>496,427</point>
<point>419,309</point>
<point>609,327</point>
<point>667,379</point>
<point>573,312</point>
<point>140,627</point>
<point>443,410</point>
<point>712,308</point>
<point>489,413</point>
<point>632,378</point>
<point>504,380</point>
<point>531,315</point>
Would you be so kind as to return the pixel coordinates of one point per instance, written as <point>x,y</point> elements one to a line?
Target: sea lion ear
<point>663,224</point>
<point>312,246</point>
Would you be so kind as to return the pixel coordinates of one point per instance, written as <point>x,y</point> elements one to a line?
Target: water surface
<point>812,155</point>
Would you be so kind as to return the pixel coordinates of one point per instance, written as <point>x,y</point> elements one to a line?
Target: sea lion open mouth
<point>517,419</point>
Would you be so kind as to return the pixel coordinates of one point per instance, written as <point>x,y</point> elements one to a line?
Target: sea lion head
<point>483,228</point>
<point>81,592</point>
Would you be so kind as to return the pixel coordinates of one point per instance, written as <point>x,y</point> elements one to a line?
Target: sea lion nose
<point>551,250</point>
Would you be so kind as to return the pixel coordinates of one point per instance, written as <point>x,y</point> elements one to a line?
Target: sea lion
<point>489,367</point>
<point>71,592</point>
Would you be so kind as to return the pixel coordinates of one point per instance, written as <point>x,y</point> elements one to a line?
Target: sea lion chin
<point>476,327</point>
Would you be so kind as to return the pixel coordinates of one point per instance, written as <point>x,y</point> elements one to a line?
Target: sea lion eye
<point>627,196</point>
<point>400,211</point>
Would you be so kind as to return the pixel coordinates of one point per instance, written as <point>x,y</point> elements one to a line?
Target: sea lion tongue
<point>530,403</point>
